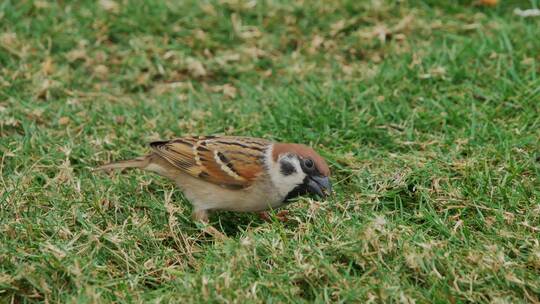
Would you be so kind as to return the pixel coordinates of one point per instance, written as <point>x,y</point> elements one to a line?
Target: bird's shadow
<point>234,224</point>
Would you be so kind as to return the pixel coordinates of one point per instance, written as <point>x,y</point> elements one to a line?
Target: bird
<point>234,173</point>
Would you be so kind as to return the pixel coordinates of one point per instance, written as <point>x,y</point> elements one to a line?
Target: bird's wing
<point>228,161</point>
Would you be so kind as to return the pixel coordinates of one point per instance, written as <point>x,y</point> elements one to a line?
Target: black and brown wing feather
<point>229,161</point>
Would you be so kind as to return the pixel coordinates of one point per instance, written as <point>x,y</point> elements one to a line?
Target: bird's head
<point>297,170</point>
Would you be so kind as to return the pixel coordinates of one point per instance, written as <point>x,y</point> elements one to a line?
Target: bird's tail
<point>139,162</point>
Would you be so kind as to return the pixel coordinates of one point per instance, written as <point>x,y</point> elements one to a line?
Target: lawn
<point>428,113</point>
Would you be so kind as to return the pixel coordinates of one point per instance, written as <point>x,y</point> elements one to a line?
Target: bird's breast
<point>207,196</point>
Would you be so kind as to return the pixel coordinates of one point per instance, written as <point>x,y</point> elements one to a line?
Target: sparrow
<point>234,173</point>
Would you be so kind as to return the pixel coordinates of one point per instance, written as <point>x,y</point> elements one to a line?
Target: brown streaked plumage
<point>232,162</point>
<point>234,173</point>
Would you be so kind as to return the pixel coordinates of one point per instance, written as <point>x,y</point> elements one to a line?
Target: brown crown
<point>302,151</point>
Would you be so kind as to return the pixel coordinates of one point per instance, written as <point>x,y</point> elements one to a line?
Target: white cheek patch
<point>285,183</point>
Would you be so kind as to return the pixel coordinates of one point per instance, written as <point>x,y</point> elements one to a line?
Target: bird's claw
<point>211,230</point>
<point>281,216</point>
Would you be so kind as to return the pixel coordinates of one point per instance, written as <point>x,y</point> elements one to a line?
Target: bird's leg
<point>265,216</point>
<point>281,216</point>
<point>202,217</point>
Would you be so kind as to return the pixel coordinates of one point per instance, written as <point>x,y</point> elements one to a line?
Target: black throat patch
<point>299,190</point>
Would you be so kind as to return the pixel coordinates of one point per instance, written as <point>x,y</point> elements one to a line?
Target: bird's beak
<point>320,185</point>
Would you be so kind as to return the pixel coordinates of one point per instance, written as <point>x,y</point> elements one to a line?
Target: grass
<point>427,111</point>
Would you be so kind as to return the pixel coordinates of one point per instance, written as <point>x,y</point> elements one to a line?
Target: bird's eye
<point>309,163</point>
